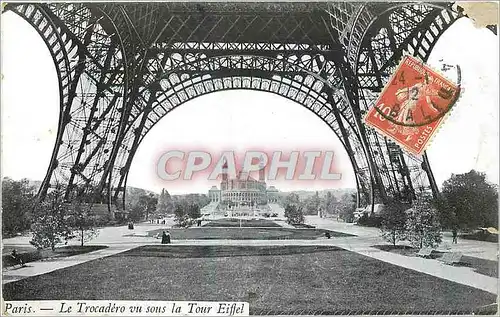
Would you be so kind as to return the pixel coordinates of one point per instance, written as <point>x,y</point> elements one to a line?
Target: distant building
<point>242,192</point>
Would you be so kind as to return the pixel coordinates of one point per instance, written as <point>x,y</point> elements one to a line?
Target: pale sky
<point>242,119</point>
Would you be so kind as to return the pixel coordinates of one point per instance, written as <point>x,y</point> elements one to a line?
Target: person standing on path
<point>455,235</point>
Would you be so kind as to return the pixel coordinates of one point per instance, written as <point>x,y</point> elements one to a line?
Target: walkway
<point>371,236</point>
<point>117,241</point>
<point>367,237</point>
<point>113,237</point>
<point>46,266</point>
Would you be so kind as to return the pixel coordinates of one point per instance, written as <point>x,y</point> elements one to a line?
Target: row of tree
<point>419,224</point>
<point>327,205</point>
<point>51,221</point>
<point>186,213</point>
<point>56,221</point>
<point>18,198</point>
<point>467,201</point>
<point>142,208</point>
<point>187,208</point>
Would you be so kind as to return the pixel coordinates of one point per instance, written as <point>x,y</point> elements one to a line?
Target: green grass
<point>232,233</point>
<point>274,280</point>
<point>233,222</point>
<point>481,266</point>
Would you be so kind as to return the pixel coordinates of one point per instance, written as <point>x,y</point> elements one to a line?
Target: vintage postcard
<point>323,158</point>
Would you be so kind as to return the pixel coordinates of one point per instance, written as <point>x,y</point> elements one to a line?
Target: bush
<point>482,235</point>
<point>302,225</point>
<point>294,214</point>
<point>393,223</point>
<point>370,221</point>
<point>50,226</point>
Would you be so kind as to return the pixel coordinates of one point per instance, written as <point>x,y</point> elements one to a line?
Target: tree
<point>422,223</point>
<point>169,203</point>
<point>83,221</point>
<point>346,206</point>
<point>136,212</point>
<point>161,207</point>
<point>50,226</point>
<point>294,214</point>
<point>17,203</point>
<point>181,216</point>
<point>292,199</point>
<point>312,204</point>
<point>194,211</point>
<point>149,202</point>
<point>293,209</point>
<point>143,207</point>
<point>469,201</point>
<point>330,202</point>
<point>165,203</point>
<point>133,195</point>
<point>393,222</point>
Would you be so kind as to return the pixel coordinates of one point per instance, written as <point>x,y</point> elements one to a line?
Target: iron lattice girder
<point>91,86</point>
<point>168,71</point>
<point>395,33</point>
<point>105,106</point>
<point>312,100</point>
<point>194,76</point>
<point>227,22</point>
<point>182,80</point>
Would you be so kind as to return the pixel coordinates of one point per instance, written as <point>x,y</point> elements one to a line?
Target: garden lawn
<point>233,233</point>
<point>31,254</point>
<point>233,222</point>
<point>481,266</point>
<point>274,280</point>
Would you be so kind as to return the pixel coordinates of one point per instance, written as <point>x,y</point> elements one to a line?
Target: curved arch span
<point>35,15</point>
<point>320,107</point>
<point>254,109</point>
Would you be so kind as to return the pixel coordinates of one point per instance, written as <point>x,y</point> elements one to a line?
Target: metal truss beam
<point>404,28</point>
<point>123,66</point>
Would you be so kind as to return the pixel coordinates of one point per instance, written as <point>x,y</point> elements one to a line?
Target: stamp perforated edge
<point>441,120</point>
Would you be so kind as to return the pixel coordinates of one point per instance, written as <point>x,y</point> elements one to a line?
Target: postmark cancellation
<point>413,105</point>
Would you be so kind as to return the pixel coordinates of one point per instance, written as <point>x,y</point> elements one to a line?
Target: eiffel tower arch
<point>122,67</point>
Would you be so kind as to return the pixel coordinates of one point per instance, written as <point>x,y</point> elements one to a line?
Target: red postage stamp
<point>413,104</point>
